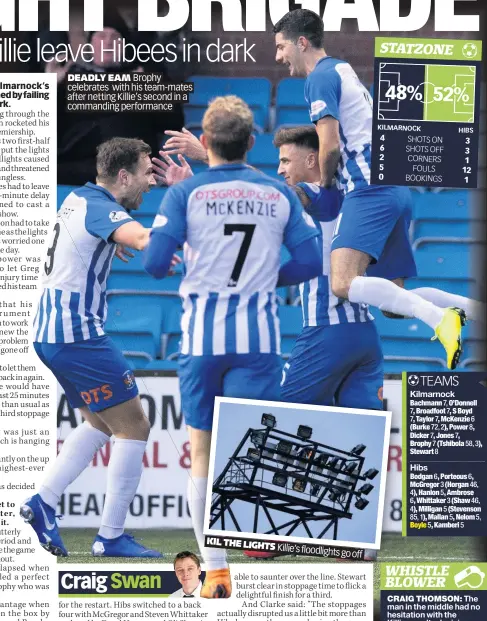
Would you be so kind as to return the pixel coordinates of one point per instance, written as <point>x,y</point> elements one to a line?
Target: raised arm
<point>329,155</point>
<point>167,172</point>
<point>133,235</point>
<point>305,264</point>
<point>323,94</point>
<point>185,143</point>
<point>300,238</point>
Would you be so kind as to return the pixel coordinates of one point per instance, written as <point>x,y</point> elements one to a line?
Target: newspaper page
<point>242,346</point>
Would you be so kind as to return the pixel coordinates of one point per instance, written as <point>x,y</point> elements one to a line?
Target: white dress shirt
<point>181,593</point>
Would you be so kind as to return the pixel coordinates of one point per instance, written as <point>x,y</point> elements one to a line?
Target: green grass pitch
<point>393,548</point>
<point>170,542</point>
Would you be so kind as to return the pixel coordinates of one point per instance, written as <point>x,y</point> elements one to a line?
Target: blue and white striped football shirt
<point>73,303</point>
<point>320,306</point>
<point>232,221</point>
<point>333,89</point>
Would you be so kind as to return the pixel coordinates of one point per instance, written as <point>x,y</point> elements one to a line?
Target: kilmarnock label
<point>426,112</point>
<point>445,446</point>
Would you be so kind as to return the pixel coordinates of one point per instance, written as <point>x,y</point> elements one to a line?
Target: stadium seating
<point>197,167</point>
<point>144,312</point>
<point>264,155</point>
<point>406,338</point>
<point>473,346</point>
<point>162,365</point>
<point>137,321</point>
<point>447,228</point>
<point>137,359</point>
<point>291,322</point>
<point>282,295</point>
<point>291,108</point>
<point>441,245</point>
<point>255,91</point>
<point>443,269</point>
<point>443,214</point>
<point>172,332</point>
<point>146,220</point>
<point>151,203</point>
<point>473,365</point>
<point>63,192</point>
<point>132,276</point>
<point>395,365</point>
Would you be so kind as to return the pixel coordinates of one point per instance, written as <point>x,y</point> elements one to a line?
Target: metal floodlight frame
<point>334,496</point>
<point>323,459</point>
<point>333,463</point>
<point>315,489</point>
<point>320,467</point>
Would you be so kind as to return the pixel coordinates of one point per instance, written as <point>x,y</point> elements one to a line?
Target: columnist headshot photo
<point>188,571</point>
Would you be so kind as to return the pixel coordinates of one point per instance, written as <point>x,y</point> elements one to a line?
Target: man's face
<point>289,54</point>
<point>138,183</point>
<point>295,164</point>
<point>104,40</point>
<point>188,574</point>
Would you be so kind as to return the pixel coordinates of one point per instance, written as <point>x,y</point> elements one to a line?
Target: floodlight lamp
<point>284,446</point>
<point>333,463</point>
<point>279,479</point>
<point>358,450</point>
<point>371,473</point>
<point>315,490</point>
<point>304,432</point>
<point>268,420</point>
<point>361,504</point>
<point>253,454</point>
<point>299,485</point>
<point>322,459</point>
<point>365,489</point>
<point>334,496</point>
<point>269,449</point>
<point>350,467</point>
<point>305,453</point>
<point>257,438</point>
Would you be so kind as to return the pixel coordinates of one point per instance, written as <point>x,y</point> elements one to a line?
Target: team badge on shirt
<point>159,220</point>
<point>129,379</point>
<point>317,106</point>
<point>116,216</point>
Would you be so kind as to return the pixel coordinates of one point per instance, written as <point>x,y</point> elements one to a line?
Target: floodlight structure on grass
<point>312,483</point>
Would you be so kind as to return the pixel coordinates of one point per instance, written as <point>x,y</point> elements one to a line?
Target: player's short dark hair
<point>302,136</point>
<point>118,153</point>
<point>228,124</point>
<point>302,23</point>
<point>182,555</point>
